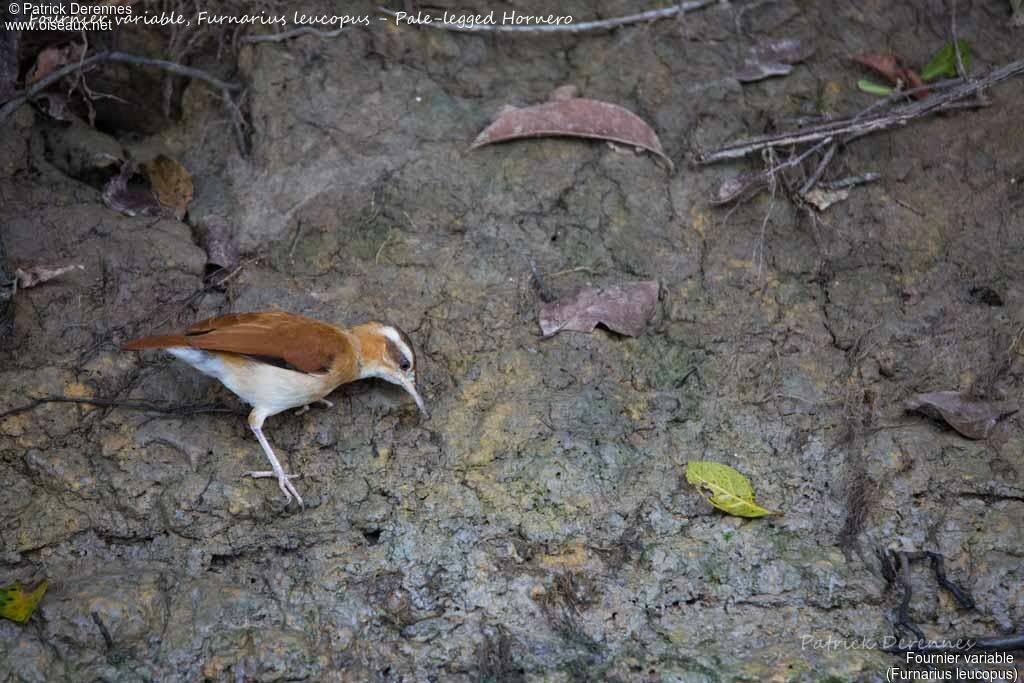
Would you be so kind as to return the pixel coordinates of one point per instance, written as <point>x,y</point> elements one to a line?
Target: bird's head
<point>386,352</point>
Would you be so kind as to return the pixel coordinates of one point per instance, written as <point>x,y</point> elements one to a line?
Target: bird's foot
<point>283,482</point>
<point>322,401</point>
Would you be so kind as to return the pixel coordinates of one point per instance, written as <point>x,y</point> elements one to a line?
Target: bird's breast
<point>259,384</point>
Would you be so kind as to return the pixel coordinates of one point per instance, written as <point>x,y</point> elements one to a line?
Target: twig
<point>956,43</point>
<point>851,181</point>
<point>166,408</point>
<point>759,246</point>
<point>577,269</point>
<point>288,35</point>
<point>816,176</point>
<point>295,243</point>
<point>600,25</point>
<point>19,98</point>
<point>858,126</point>
<point>896,567</point>
<point>545,293</point>
<point>380,249</point>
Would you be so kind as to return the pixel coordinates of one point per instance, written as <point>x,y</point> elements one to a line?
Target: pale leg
<point>256,419</point>
<point>305,408</point>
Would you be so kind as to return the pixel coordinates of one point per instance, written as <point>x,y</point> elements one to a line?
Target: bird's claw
<point>283,482</point>
<point>322,401</point>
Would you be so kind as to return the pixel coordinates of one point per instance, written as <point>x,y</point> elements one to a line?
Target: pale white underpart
<point>268,388</point>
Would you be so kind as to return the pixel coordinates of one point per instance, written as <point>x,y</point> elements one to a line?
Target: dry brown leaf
<point>566,115</point>
<point>37,275</point>
<point>742,186</point>
<point>625,308</point>
<point>893,70</point>
<point>221,247</point>
<point>56,106</point>
<point>973,418</point>
<point>772,58</point>
<point>821,198</point>
<point>53,58</point>
<point>131,201</point>
<point>171,184</point>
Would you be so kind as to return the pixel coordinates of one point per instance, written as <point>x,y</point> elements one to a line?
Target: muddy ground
<point>538,525</point>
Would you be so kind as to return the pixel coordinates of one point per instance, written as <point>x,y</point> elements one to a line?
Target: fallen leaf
<point>973,418</point>
<point>624,308</point>
<point>944,62</point>
<point>873,88</point>
<point>730,491</point>
<point>741,186</point>
<point>131,201</point>
<point>171,184</point>
<point>570,116</point>
<point>821,199</point>
<point>221,248</point>
<point>892,68</point>
<point>772,58</point>
<point>56,106</point>
<point>37,275</point>
<point>53,58</point>
<point>17,603</point>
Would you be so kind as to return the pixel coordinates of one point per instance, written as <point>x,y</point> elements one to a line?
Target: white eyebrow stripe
<point>392,334</point>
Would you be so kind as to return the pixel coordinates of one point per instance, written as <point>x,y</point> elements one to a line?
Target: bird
<point>274,361</point>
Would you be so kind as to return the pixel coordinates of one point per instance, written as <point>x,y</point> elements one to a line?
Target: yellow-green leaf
<point>730,491</point>
<point>873,88</point>
<point>944,61</point>
<point>17,603</point>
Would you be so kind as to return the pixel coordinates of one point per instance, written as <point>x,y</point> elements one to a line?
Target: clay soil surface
<point>538,526</point>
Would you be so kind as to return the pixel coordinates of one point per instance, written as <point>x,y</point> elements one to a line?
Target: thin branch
<point>288,35</point>
<point>166,408</point>
<point>852,128</point>
<point>816,176</point>
<point>600,25</point>
<point>19,98</point>
<point>961,71</point>
<point>852,181</point>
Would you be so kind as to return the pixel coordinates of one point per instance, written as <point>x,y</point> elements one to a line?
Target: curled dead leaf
<point>221,247</point>
<point>53,58</point>
<point>571,116</point>
<point>821,198</point>
<point>130,200</point>
<point>893,70</point>
<point>773,58</point>
<point>171,183</point>
<point>971,417</point>
<point>624,308</point>
<point>37,275</point>
<point>742,186</point>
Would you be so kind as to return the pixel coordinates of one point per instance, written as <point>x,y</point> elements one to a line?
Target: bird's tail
<point>162,341</point>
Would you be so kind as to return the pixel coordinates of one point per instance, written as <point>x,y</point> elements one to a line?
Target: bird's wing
<point>275,337</point>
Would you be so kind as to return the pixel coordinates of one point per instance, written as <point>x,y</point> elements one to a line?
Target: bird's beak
<point>410,386</point>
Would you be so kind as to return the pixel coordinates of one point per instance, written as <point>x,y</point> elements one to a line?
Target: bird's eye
<point>404,366</point>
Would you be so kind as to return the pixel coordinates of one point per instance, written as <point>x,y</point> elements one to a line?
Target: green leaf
<point>873,88</point>
<point>730,491</point>
<point>17,603</point>
<point>944,62</point>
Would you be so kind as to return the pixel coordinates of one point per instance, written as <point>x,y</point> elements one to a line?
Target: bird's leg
<point>323,401</point>
<point>256,424</point>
